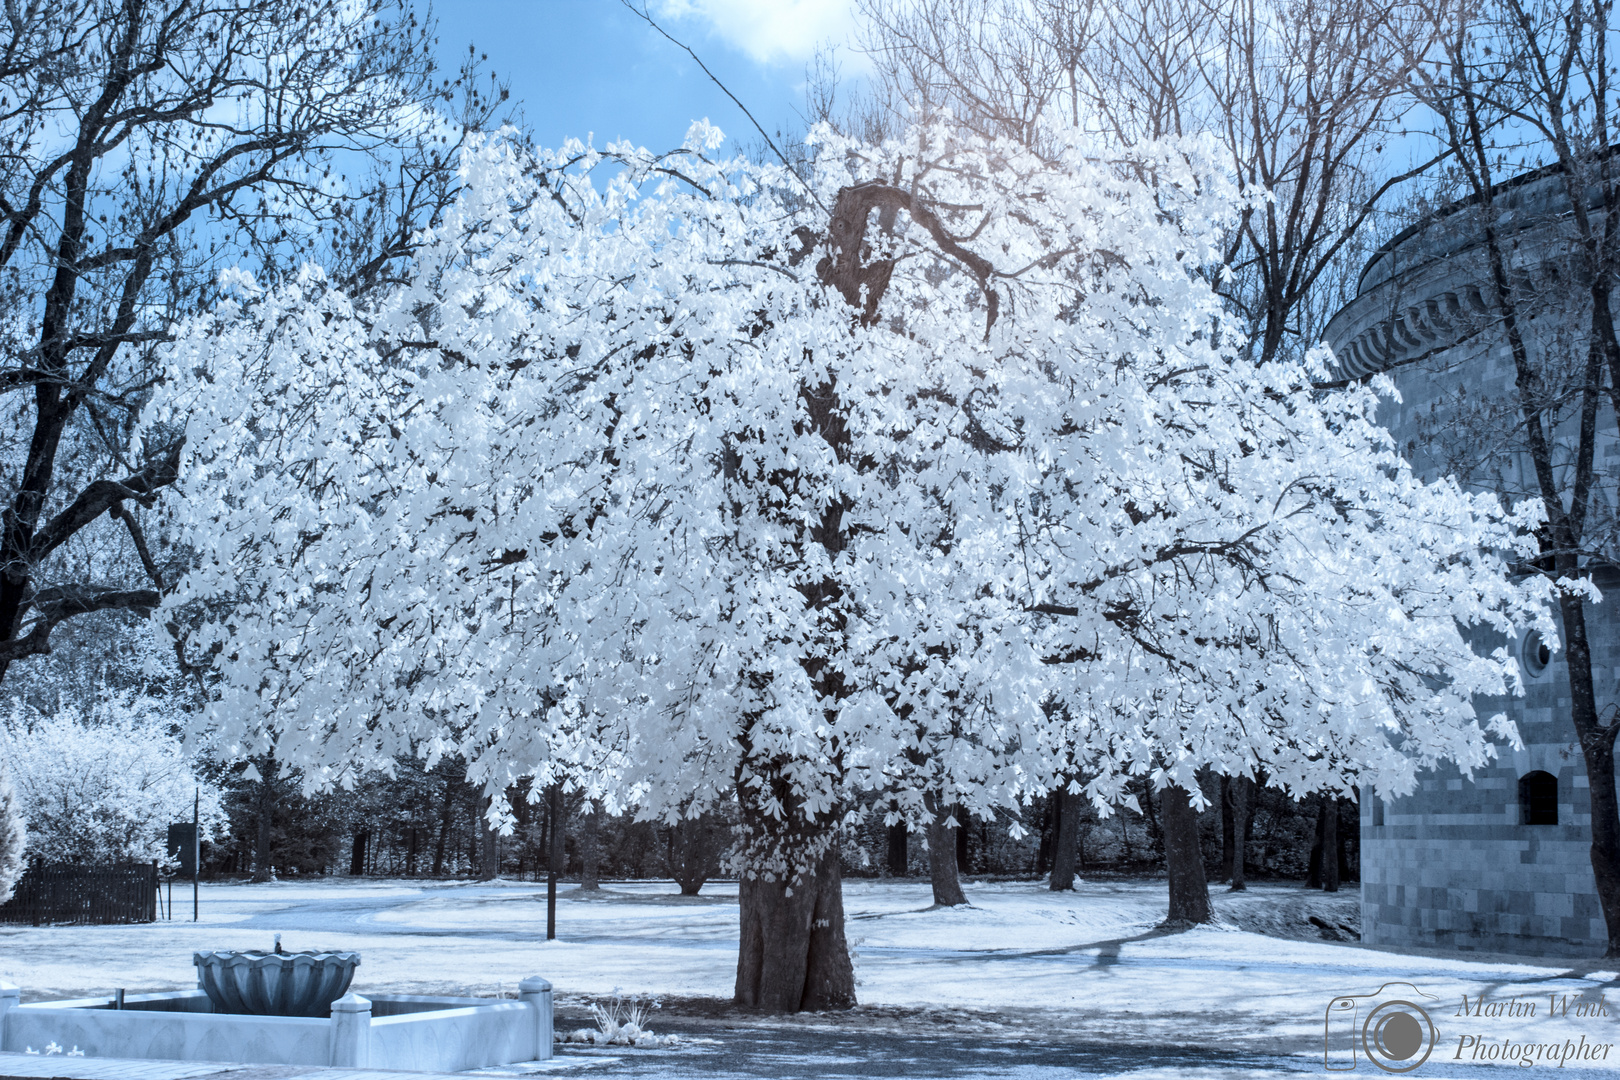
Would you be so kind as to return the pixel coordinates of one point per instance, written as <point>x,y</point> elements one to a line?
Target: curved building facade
<point>1501,861</point>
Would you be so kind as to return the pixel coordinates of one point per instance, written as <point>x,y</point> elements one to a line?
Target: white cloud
<point>769,31</point>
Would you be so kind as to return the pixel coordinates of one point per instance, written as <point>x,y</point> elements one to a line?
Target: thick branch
<point>100,496</point>
<point>58,604</point>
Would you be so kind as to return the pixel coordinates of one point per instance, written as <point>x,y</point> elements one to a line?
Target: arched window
<point>1538,798</point>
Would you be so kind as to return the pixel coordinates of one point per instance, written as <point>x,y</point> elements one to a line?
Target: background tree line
<point>431,823</point>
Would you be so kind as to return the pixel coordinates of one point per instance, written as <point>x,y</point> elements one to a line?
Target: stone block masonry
<point>1459,863</point>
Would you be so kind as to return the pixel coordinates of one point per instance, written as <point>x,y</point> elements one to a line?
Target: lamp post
<point>196,851</point>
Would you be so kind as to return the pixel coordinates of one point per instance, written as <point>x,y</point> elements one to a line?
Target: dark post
<point>196,864</point>
<point>553,857</point>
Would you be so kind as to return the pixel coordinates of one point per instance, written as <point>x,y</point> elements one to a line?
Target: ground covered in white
<point>1021,962</point>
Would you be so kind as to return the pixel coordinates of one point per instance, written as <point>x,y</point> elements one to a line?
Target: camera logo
<point>1391,1029</point>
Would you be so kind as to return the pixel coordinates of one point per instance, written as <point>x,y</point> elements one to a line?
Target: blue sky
<point>591,66</point>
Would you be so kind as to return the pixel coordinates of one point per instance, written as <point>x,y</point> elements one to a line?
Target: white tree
<point>103,784</point>
<point>13,836</point>
<point>709,479</point>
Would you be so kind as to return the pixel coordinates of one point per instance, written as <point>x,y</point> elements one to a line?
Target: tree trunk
<point>1227,828</point>
<point>1237,826</point>
<point>1330,843</point>
<point>942,851</point>
<point>557,813</point>
<point>1346,871</point>
<point>1313,877</point>
<point>590,847</point>
<point>444,826</point>
<point>1597,751</point>
<point>792,954</point>
<point>357,853</point>
<point>1064,846</point>
<point>962,855</point>
<point>1049,827</point>
<point>1153,823</point>
<point>899,845</point>
<point>263,870</point>
<point>1183,859</point>
<point>489,848</point>
<point>693,856</point>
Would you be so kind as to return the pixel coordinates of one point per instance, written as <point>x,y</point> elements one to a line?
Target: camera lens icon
<point>1398,1036</point>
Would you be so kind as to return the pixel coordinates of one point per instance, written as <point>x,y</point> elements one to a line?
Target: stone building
<point>1501,861</point>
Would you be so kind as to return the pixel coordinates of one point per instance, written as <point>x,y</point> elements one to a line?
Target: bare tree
<point>1513,84</point>
<point>1307,94</point>
<point>143,147</point>
<point>1303,96</point>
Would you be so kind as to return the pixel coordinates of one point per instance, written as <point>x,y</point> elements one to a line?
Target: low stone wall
<point>384,1031</point>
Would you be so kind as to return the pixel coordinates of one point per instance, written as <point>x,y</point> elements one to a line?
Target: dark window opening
<point>1537,654</point>
<point>1538,799</point>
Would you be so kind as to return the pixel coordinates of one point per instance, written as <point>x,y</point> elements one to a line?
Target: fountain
<point>275,983</point>
<point>288,1008</point>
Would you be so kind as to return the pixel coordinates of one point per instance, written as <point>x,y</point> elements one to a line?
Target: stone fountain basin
<point>426,1033</point>
<point>275,984</point>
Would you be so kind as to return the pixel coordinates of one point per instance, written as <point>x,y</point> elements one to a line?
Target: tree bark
<point>1597,752</point>
<point>590,847</point>
<point>1152,823</point>
<point>1241,789</point>
<point>1049,827</point>
<point>357,853</point>
<point>1313,874</point>
<point>792,954</point>
<point>557,815</point>
<point>1066,843</point>
<point>693,856</point>
<point>1227,837</point>
<point>942,851</point>
<point>445,819</point>
<point>1183,859</point>
<point>899,853</point>
<point>263,870</point>
<point>1330,843</point>
<point>489,848</point>
<point>1346,871</point>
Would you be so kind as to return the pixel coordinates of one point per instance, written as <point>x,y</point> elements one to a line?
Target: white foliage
<point>548,504</point>
<point>13,835</point>
<point>104,784</point>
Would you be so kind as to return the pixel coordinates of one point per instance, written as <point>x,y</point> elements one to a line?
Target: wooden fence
<point>82,896</point>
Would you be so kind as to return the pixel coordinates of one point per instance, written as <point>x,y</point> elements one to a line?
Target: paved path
<point>743,1055</point>
<point>777,1054</point>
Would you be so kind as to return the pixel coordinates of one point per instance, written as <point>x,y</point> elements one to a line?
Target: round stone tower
<point>1500,861</point>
